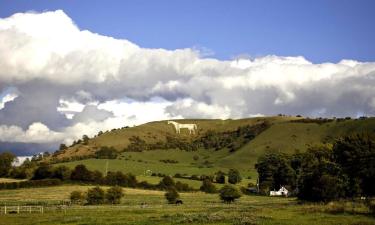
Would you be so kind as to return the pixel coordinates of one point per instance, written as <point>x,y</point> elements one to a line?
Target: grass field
<point>198,208</point>
<point>284,135</point>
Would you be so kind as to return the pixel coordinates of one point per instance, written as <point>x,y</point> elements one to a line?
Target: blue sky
<point>319,30</point>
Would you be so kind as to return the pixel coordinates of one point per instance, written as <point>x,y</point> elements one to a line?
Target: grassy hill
<point>284,134</point>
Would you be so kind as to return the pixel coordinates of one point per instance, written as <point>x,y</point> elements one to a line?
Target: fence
<point>21,209</point>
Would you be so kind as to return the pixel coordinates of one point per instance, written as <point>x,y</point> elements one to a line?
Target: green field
<point>198,208</point>
<point>283,135</point>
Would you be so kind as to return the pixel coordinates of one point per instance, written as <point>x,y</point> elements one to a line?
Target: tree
<point>77,196</point>
<point>208,186</point>
<point>85,139</point>
<point>81,173</point>
<point>321,178</point>
<point>356,156</point>
<point>42,172</point>
<point>171,195</point>
<point>229,193</point>
<point>234,176</point>
<point>61,172</point>
<point>166,182</point>
<point>95,196</point>
<point>6,159</point>
<point>274,170</point>
<point>62,147</point>
<point>220,177</point>
<point>106,153</point>
<point>114,195</point>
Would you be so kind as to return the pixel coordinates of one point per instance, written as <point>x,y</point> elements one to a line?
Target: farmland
<point>198,208</point>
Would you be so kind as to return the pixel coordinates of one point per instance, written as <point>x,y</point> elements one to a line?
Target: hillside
<point>283,133</point>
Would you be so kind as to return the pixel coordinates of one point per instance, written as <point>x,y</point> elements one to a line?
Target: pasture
<point>198,208</point>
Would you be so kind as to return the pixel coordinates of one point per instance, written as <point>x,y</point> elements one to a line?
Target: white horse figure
<point>192,127</point>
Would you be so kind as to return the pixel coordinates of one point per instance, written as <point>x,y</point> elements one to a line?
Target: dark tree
<point>95,196</point>
<point>356,156</point>
<point>44,171</point>
<point>208,186</point>
<point>166,183</point>
<point>234,176</point>
<point>171,195</point>
<point>114,195</point>
<point>229,193</point>
<point>85,139</point>
<point>321,178</point>
<point>106,153</point>
<point>274,170</point>
<point>6,159</point>
<point>61,172</point>
<point>77,197</point>
<point>62,147</point>
<point>220,177</point>
<point>81,173</point>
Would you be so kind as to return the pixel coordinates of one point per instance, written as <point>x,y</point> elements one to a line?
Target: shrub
<point>166,182</point>
<point>171,195</point>
<point>81,173</point>
<point>208,186</point>
<point>77,196</point>
<point>42,172</point>
<point>61,172</point>
<point>114,195</point>
<point>220,177</point>
<point>106,153</point>
<point>95,196</point>
<point>229,193</point>
<point>234,176</point>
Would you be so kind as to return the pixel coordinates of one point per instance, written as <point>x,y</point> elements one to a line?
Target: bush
<point>229,193</point>
<point>42,172</point>
<point>208,186</point>
<point>234,176</point>
<point>81,173</point>
<point>114,195</point>
<point>61,172</point>
<point>77,196</point>
<point>95,196</point>
<point>220,177</point>
<point>166,183</point>
<point>106,153</point>
<point>171,195</point>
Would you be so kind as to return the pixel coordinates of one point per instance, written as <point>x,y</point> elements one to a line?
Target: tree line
<point>323,173</point>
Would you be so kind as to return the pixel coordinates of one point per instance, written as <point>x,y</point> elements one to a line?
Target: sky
<point>69,68</point>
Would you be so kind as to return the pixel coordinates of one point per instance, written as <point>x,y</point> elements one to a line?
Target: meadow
<point>198,208</point>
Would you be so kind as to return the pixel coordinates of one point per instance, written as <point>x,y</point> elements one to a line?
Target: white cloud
<point>75,81</point>
<point>7,98</point>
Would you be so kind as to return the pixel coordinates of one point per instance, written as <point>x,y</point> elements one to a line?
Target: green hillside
<point>283,133</point>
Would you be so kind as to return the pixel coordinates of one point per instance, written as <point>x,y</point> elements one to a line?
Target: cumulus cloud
<point>72,82</point>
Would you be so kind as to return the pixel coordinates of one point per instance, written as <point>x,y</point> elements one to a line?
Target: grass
<point>198,208</point>
<point>284,135</point>
<point>8,180</point>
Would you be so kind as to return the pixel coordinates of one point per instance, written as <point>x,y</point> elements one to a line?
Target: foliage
<point>30,184</point>
<point>44,171</point>
<point>61,172</point>
<point>95,196</point>
<point>81,173</point>
<point>321,178</point>
<point>6,159</point>
<point>106,153</point>
<point>229,193</point>
<point>172,195</point>
<point>274,170</point>
<point>77,197</point>
<point>234,176</point>
<point>114,195</point>
<point>220,177</point>
<point>356,156</point>
<point>166,183</point>
<point>208,186</point>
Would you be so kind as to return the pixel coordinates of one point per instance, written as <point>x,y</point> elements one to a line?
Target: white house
<point>281,192</point>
